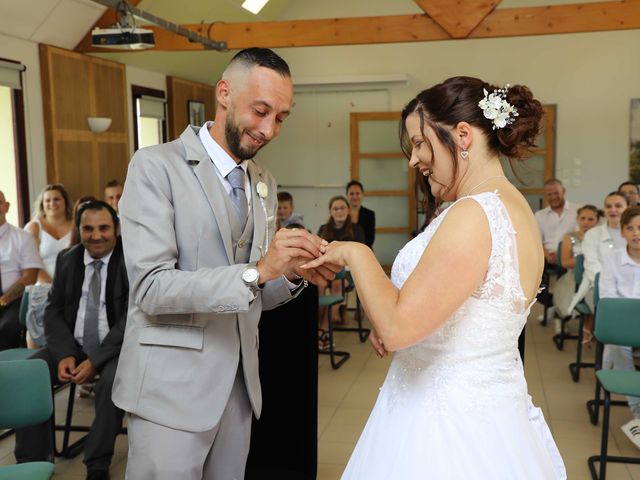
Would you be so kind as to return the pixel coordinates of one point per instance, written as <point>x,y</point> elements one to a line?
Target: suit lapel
<point>204,171</point>
<point>77,279</point>
<point>256,175</point>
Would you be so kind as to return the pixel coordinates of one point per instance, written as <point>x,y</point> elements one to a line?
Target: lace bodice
<point>475,350</point>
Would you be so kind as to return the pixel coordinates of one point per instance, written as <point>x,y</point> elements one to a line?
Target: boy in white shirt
<point>620,278</point>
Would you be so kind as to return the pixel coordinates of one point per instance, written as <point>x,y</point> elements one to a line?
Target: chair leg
<point>333,353</point>
<point>578,364</point>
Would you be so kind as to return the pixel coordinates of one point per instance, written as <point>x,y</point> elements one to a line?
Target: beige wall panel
<point>70,82</point>
<point>180,91</point>
<point>113,159</point>
<point>76,167</point>
<point>110,95</point>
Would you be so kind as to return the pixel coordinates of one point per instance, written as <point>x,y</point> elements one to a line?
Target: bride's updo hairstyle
<point>456,100</point>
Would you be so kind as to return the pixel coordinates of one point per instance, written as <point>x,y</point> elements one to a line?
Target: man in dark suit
<point>84,326</point>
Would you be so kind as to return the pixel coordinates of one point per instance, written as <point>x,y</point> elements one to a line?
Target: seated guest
<point>598,244</point>
<point>286,215</point>
<point>340,228</point>
<point>84,326</point>
<point>51,227</point>
<point>38,296</point>
<point>19,265</point>
<point>620,278</point>
<point>556,220</point>
<point>588,217</point>
<point>631,191</point>
<point>361,215</point>
<point>112,193</point>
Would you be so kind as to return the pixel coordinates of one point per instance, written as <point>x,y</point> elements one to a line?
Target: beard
<point>232,135</point>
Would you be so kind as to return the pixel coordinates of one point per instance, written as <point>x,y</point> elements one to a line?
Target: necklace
<point>483,182</point>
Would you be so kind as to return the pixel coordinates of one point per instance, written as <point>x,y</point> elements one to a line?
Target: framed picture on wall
<point>196,112</point>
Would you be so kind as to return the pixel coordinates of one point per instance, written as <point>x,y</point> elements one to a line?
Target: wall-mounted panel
<point>75,87</point>
<point>180,93</point>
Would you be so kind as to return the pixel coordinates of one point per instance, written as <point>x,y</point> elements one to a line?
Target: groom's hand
<point>288,248</point>
<point>319,276</point>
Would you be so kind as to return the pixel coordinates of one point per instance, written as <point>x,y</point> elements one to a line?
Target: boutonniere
<point>262,189</point>
<point>263,192</point>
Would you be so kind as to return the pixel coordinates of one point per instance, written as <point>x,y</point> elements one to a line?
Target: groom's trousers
<point>157,452</point>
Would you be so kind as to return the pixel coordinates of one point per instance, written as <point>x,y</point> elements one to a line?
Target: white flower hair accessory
<point>495,107</point>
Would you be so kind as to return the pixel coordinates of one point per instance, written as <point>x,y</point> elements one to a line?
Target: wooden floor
<point>347,395</point>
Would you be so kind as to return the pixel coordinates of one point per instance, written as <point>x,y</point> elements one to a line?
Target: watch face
<point>250,275</point>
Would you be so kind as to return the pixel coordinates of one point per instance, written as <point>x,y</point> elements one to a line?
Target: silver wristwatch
<point>250,277</point>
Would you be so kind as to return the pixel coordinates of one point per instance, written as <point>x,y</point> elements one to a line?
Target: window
<point>13,165</point>
<point>148,116</point>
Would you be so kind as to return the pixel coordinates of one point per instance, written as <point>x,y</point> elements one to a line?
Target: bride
<point>454,404</point>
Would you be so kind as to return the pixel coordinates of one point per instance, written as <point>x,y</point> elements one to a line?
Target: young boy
<point>286,215</point>
<point>620,278</point>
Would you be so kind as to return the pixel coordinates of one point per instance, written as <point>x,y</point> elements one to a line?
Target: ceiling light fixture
<point>254,6</point>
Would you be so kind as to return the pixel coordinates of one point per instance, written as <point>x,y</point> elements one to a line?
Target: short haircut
<point>628,215</point>
<point>352,183</point>
<point>96,205</point>
<point>113,183</point>
<point>285,197</point>
<point>553,181</point>
<point>629,183</point>
<point>261,57</point>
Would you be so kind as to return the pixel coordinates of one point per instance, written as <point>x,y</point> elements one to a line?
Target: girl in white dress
<point>454,404</point>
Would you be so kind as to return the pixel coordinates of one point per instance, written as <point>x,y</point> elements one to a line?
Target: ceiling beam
<point>508,22</point>
<point>458,18</point>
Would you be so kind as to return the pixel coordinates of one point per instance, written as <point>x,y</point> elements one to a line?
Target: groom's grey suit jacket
<point>190,319</point>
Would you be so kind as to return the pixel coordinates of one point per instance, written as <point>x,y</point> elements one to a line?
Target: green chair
<point>583,309</point>
<point>329,302</point>
<point>617,323</point>
<point>26,402</point>
<point>348,286</point>
<point>593,405</point>
<point>21,353</point>
<point>560,338</point>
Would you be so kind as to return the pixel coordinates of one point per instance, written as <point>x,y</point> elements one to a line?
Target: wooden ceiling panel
<point>458,17</point>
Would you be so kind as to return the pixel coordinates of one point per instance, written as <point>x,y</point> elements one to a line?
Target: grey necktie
<point>237,193</point>
<point>90,336</point>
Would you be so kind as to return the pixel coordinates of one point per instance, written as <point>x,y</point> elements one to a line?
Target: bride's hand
<point>336,253</point>
<point>377,344</point>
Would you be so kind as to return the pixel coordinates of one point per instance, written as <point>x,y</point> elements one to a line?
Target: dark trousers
<point>10,327</point>
<point>35,443</point>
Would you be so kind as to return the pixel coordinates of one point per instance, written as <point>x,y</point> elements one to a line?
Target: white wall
<point>591,77</point>
<point>26,52</point>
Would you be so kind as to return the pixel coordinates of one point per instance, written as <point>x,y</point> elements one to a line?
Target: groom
<point>197,220</point>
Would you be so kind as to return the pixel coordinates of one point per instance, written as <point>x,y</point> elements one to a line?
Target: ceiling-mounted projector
<point>123,38</point>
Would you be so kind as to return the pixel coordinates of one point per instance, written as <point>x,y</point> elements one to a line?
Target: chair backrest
<point>596,290</point>
<point>559,255</point>
<point>25,397</point>
<point>578,270</point>
<point>342,274</point>
<point>24,307</point>
<point>618,321</point>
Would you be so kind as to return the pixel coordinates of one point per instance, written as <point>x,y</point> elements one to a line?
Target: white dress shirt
<point>554,227</point>
<point>18,251</point>
<point>103,322</point>
<point>223,162</point>
<point>620,276</point>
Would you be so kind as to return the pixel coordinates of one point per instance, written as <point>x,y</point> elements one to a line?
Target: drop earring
<point>464,154</point>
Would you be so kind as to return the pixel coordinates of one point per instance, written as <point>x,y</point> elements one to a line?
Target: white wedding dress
<point>455,406</point>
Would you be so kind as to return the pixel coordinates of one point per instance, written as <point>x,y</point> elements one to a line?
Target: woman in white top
<point>51,226</point>
<point>598,244</point>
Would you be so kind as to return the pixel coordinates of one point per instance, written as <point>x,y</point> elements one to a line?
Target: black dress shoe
<point>97,474</point>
